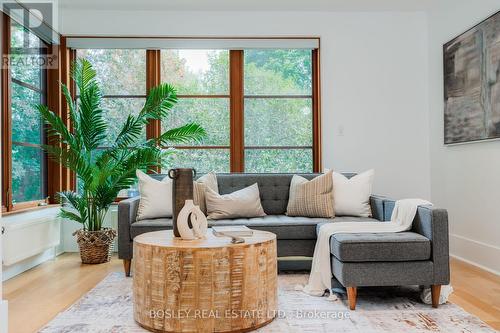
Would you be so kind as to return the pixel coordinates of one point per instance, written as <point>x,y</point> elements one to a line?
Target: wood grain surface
<point>207,285</point>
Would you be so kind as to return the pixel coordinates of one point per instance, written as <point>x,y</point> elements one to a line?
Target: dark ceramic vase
<point>182,190</point>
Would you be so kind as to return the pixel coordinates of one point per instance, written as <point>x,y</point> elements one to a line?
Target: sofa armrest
<point>377,206</point>
<point>127,212</point>
<point>432,223</point>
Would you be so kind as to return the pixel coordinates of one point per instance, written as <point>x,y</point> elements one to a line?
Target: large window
<point>25,166</point>
<point>278,111</point>
<point>257,105</point>
<point>201,78</point>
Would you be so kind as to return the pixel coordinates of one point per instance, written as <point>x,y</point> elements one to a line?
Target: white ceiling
<point>253,5</point>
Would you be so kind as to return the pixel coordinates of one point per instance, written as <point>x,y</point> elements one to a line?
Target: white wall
<point>465,178</point>
<point>373,74</point>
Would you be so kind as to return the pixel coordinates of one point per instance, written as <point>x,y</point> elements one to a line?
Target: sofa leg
<point>126,266</point>
<point>351,297</point>
<point>435,293</point>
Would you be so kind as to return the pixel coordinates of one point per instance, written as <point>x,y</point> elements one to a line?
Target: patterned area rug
<point>108,308</point>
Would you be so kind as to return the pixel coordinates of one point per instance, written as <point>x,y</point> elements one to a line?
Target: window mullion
<point>152,80</point>
<point>236,111</point>
<point>153,128</point>
<point>316,112</point>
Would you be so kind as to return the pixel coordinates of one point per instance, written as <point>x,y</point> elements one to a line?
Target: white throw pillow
<point>156,197</point>
<point>241,203</point>
<point>351,197</point>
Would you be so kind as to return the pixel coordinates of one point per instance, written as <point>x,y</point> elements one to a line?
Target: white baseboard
<point>482,255</point>
<point>4,317</point>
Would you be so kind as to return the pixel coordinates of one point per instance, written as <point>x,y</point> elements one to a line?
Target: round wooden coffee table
<point>205,285</point>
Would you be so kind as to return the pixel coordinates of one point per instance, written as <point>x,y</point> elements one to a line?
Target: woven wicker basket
<point>95,246</point>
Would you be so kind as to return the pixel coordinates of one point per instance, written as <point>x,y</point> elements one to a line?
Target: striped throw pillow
<point>311,198</point>
<point>200,186</point>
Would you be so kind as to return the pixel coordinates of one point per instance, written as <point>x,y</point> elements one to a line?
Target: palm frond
<point>70,159</point>
<point>73,115</point>
<point>83,74</point>
<point>123,175</point>
<point>77,205</point>
<point>90,121</point>
<point>184,134</point>
<point>130,132</point>
<point>160,101</point>
<point>57,128</point>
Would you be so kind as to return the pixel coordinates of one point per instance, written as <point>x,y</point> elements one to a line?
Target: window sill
<point>30,209</point>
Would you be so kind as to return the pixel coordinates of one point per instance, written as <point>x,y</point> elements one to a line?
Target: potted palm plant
<point>103,172</point>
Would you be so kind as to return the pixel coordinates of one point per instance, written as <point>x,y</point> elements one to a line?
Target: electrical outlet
<point>340,130</point>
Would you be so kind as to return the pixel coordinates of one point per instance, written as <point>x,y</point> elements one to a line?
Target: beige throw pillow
<point>241,203</point>
<point>311,198</point>
<point>199,187</point>
<point>156,197</point>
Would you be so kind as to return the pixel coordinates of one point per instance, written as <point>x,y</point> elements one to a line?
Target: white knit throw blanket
<point>320,278</point>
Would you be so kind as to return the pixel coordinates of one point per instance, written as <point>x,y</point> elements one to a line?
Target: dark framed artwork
<point>472,84</point>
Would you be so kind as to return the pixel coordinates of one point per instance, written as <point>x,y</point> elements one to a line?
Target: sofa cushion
<point>143,226</point>
<point>285,227</point>
<point>362,247</point>
<point>345,219</point>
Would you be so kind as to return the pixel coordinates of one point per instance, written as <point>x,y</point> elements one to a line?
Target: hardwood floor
<point>38,295</point>
<point>476,291</point>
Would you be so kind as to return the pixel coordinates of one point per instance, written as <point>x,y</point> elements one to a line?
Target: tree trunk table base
<point>205,285</point>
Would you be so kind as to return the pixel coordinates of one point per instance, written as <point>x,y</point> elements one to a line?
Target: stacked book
<point>232,231</point>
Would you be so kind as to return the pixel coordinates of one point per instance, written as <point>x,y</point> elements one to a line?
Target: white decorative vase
<point>191,213</point>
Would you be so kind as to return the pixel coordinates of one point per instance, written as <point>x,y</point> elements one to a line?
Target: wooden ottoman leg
<point>126,266</point>
<point>435,293</point>
<point>351,297</point>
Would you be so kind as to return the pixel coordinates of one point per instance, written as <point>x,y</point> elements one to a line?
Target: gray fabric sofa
<point>416,257</point>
